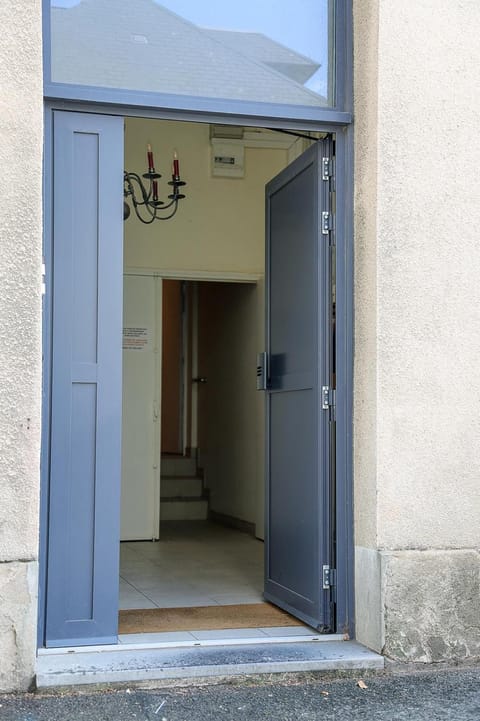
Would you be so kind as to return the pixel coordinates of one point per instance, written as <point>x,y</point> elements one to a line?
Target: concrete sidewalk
<point>421,696</point>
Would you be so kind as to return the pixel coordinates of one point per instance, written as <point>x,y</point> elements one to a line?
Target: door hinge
<point>326,168</point>
<point>329,401</point>
<point>328,577</point>
<point>328,398</point>
<point>327,222</point>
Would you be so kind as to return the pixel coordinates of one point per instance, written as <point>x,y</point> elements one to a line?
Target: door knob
<point>199,380</point>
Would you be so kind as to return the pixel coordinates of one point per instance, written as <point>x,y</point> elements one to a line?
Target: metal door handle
<point>199,380</point>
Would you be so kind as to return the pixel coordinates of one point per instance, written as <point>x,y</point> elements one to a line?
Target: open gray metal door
<point>299,331</point>
<point>85,443</point>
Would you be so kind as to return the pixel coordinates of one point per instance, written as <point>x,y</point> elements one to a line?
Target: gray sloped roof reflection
<point>140,45</point>
<point>263,49</point>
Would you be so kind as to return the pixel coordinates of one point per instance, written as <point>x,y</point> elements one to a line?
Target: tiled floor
<point>195,564</point>
<point>228,635</point>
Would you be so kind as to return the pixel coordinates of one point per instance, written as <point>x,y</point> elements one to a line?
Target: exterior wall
<point>417,386</point>
<point>21,141</point>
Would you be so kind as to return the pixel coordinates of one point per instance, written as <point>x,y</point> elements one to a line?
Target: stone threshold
<point>128,663</point>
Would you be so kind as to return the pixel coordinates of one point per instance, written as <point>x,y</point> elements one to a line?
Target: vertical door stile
<point>158,396</point>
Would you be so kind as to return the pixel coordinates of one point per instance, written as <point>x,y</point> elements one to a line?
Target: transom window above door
<point>196,54</point>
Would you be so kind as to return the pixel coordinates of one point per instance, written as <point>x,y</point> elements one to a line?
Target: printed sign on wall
<point>136,338</point>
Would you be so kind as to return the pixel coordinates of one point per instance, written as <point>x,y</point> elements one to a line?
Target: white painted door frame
<point>154,501</point>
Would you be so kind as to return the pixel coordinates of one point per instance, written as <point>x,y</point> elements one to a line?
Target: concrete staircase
<point>182,496</point>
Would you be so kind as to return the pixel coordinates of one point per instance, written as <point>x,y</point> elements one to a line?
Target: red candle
<point>176,170</point>
<point>155,190</point>
<point>151,166</point>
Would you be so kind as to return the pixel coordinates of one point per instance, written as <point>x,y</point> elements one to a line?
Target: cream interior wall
<point>21,142</point>
<point>220,224</point>
<point>231,410</point>
<point>219,228</point>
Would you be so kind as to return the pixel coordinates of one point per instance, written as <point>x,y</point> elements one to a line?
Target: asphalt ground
<point>406,696</point>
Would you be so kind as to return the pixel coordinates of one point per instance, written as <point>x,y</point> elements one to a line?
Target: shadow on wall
<point>231,410</point>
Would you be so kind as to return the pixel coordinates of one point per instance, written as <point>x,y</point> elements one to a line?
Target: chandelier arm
<point>168,205</point>
<point>128,177</point>
<point>167,217</point>
<point>153,214</point>
<point>145,222</point>
<point>126,182</point>
<point>146,196</point>
<point>134,187</point>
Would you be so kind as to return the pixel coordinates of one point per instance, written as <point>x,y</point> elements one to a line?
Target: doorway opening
<point>193,459</point>
<point>233,295</point>
<point>209,526</point>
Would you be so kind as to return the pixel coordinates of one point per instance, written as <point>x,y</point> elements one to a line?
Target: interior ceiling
<point>237,132</point>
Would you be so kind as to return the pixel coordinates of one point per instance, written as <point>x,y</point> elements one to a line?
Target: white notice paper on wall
<point>136,338</point>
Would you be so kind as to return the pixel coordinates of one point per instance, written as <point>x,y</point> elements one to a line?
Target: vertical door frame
<point>341,126</point>
<point>186,382</point>
<point>46,372</point>
<point>157,391</point>
<point>194,369</point>
<point>344,350</point>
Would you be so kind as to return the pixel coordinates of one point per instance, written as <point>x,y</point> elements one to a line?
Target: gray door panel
<point>297,429</point>
<point>83,527</point>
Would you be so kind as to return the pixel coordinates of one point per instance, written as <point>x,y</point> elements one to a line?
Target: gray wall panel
<point>84,215</point>
<point>83,523</point>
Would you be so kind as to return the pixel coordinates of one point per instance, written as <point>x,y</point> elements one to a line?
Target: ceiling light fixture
<point>146,201</point>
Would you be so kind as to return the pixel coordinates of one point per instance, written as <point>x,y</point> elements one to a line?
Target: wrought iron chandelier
<point>146,202</point>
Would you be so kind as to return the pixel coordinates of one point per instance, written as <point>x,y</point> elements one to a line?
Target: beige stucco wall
<point>417,386</point>
<point>21,126</point>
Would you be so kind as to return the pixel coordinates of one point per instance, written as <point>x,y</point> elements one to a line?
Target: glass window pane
<point>268,51</point>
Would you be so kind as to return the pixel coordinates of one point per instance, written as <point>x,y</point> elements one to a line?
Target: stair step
<point>181,487</point>
<point>174,467</point>
<point>127,664</point>
<point>184,509</point>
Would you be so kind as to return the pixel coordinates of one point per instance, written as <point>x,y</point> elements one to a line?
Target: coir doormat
<point>204,618</point>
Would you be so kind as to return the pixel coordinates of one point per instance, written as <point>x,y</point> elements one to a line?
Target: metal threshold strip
<point>129,663</point>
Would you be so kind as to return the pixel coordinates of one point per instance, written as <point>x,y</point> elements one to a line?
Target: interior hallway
<point>196,563</point>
